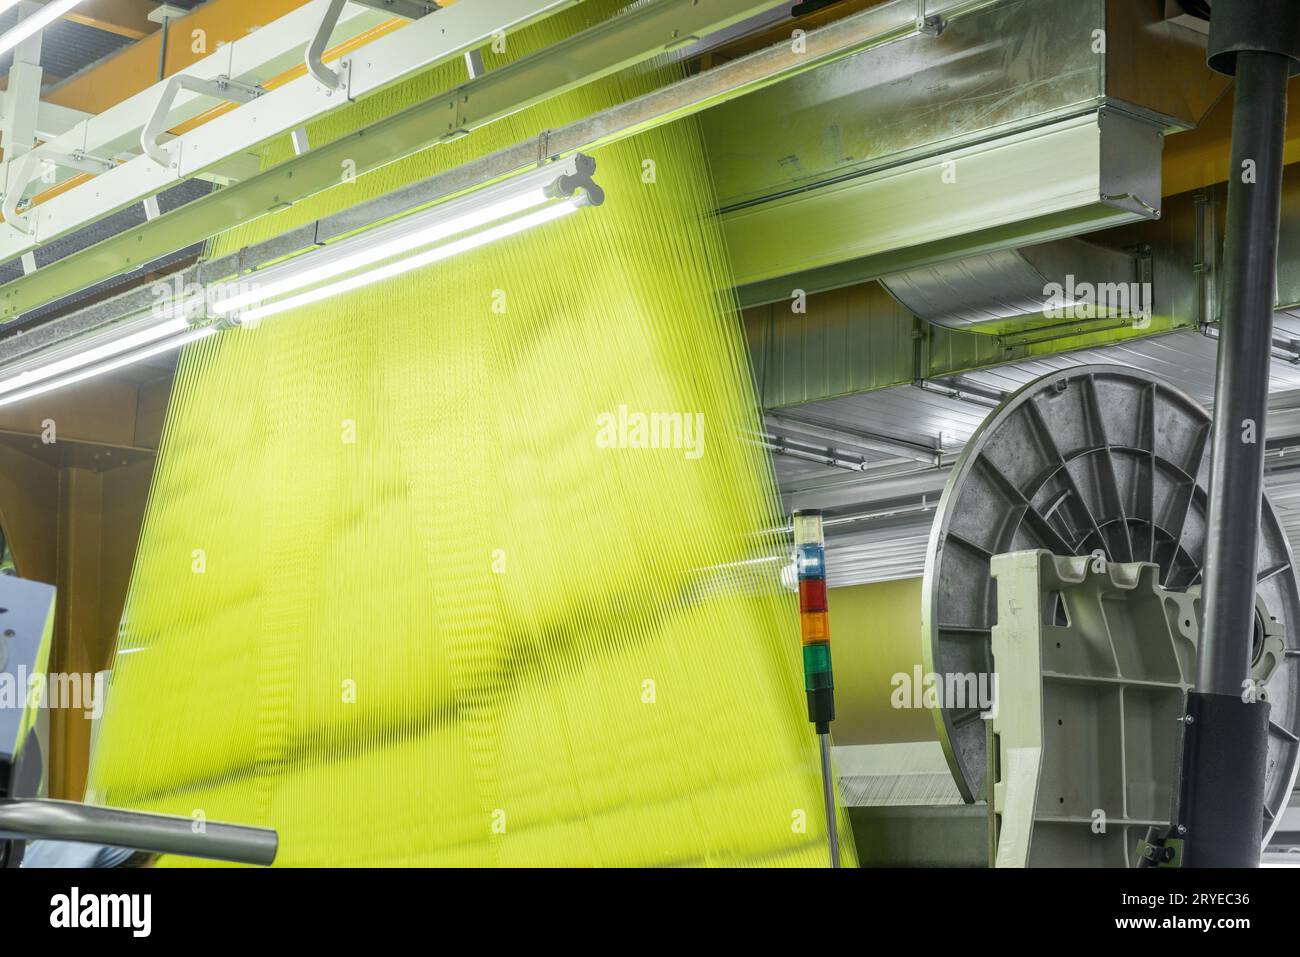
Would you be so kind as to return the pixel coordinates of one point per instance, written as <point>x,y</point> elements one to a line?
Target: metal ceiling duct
<point>1077,175</point>
<point>1014,289</point>
<point>1021,124</point>
<point>1166,268</point>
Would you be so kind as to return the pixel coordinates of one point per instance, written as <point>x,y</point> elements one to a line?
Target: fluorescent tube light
<point>30,26</point>
<point>564,185</point>
<point>468,222</point>
<point>324,266</point>
<point>110,365</point>
<point>473,241</point>
<point>95,350</point>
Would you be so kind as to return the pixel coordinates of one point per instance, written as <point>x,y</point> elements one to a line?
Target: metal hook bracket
<point>222,88</point>
<point>16,211</point>
<point>330,79</point>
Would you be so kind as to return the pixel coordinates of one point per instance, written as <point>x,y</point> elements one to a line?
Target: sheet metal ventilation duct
<point>1015,289</point>
<point>1014,126</point>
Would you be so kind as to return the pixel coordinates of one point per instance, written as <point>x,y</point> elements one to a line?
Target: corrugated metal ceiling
<point>1185,359</point>
<point>66,47</point>
<point>873,551</point>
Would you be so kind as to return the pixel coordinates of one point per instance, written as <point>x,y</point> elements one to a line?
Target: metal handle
<point>222,88</point>
<point>27,819</point>
<point>330,79</point>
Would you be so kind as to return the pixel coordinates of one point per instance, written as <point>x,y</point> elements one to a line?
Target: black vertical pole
<point>1226,732</point>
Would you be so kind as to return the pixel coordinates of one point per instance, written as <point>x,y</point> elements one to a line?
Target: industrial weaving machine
<point>429,414</point>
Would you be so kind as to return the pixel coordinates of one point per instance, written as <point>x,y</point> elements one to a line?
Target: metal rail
<point>32,819</point>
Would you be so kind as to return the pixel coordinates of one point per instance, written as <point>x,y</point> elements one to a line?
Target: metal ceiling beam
<point>123,18</point>
<point>378,65</point>
<point>262,58</point>
<point>255,58</point>
<point>600,51</point>
<point>411,130</point>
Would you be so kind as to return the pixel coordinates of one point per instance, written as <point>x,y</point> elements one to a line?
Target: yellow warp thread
<point>394,598</point>
<point>876,631</point>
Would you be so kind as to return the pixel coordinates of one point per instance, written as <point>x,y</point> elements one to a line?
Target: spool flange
<point>1094,459</point>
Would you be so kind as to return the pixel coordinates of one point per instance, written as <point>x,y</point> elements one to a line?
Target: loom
<point>516,635</point>
<point>438,500</point>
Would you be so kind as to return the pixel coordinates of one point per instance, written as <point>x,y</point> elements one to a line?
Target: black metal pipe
<point>1241,389</point>
<point>1223,766</point>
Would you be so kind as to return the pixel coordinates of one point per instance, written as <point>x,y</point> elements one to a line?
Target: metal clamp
<point>222,88</point>
<point>1161,848</point>
<point>1150,210</point>
<point>928,25</point>
<point>79,160</point>
<point>474,65</point>
<point>578,185</point>
<point>25,170</point>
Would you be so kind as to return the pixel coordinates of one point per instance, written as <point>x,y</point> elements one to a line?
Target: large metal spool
<point>1097,458</point>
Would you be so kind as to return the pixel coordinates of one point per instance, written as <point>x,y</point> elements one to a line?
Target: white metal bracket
<point>82,162</point>
<point>222,88</point>
<point>334,79</point>
<point>25,170</point>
